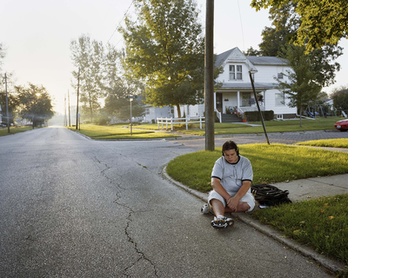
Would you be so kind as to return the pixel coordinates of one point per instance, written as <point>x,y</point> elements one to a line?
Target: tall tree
<point>340,99</point>
<point>164,49</point>
<point>310,73</point>
<point>117,88</point>
<point>311,70</point>
<point>87,57</point>
<point>2,55</point>
<point>34,104</point>
<point>318,22</point>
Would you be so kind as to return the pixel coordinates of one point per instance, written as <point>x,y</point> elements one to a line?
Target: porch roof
<point>247,86</point>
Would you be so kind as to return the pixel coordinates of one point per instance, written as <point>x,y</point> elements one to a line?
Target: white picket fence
<point>165,123</point>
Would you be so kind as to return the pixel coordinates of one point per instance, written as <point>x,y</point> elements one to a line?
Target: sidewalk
<point>299,190</point>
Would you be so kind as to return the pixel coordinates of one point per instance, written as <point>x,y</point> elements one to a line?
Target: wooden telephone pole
<point>209,77</point>
<point>77,102</point>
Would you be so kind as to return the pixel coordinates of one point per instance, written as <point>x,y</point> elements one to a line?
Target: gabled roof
<point>267,60</point>
<point>223,56</point>
<point>255,60</point>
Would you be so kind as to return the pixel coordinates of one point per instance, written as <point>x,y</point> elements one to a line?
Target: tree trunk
<point>178,108</point>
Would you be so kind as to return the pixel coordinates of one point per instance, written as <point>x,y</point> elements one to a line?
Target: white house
<point>235,95</point>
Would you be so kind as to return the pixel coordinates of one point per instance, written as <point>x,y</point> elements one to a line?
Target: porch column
<point>238,98</point>
<point>215,101</point>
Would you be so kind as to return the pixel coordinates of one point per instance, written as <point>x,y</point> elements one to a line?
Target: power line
<point>119,24</point>
<point>241,23</point>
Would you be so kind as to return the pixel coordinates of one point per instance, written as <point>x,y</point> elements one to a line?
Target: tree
<point>340,99</point>
<point>117,88</point>
<point>311,70</point>
<point>34,104</point>
<point>164,49</point>
<point>2,55</point>
<point>317,23</point>
<point>273,39</point>
<point>87,57</point>
<point>310,73</point>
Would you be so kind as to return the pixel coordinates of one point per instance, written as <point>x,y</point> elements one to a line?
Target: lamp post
<point>251,74</point>
<point>130,112</point>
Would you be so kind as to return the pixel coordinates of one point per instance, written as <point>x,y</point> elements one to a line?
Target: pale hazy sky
<point>37,36</point>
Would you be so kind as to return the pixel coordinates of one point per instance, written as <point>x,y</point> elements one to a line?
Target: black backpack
<point>268,195</point>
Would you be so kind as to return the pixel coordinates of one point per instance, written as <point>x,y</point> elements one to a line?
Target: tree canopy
<point>315,23</point>
<point>34,104</point>
<point>312,69</point>
<point>164,49</point>
<point>87,56</point>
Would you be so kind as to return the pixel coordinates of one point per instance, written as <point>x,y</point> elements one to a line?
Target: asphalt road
<point>74,207</point>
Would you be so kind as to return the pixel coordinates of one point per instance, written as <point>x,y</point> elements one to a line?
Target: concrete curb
<point>329,264</point>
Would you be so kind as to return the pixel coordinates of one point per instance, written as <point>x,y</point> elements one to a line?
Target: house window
<point>280,75</point>
<point>239,72</point>
<point>235,72</point>
<point>279,99</point>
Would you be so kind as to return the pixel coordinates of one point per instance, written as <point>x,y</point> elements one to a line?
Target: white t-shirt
<point>232,175</point>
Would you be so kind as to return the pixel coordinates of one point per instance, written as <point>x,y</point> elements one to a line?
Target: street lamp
<point>251,74</point>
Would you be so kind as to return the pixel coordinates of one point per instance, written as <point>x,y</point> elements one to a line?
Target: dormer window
<point>235,72</point>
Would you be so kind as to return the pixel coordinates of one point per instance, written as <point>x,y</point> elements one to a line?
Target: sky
<point>37,34</point>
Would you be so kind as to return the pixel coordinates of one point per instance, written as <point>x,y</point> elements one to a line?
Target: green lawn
<point>121,132</point>
<point>13,130</point>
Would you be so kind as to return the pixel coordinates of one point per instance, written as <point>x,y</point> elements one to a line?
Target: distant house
<point>235,95</point>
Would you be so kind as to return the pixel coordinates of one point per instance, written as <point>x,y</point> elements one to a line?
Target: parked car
<point>342,125</point>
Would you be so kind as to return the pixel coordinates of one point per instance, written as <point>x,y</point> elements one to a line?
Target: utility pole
<point>77,102</point>
<point>209,77</point>
<point>65,110</point>
<point>69,111</point>
<point>8,118</point>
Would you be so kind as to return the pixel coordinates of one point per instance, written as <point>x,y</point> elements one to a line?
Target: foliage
<point>101,76</point>
<point>273,39</point>
<point>87,56</point>
<point>314,23</point>
<point>2,54</point>
<point>34,104</point>
<point>310,73</point>
<point>310,70</point>
<point>164,49</point>
<point>340,99</point>
<point>117,88</point>
<point>12,105</point>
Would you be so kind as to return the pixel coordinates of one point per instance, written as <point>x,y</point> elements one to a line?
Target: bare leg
<point>219,208</point>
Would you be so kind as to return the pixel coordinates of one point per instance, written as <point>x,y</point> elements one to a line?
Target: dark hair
<point>230,145</point>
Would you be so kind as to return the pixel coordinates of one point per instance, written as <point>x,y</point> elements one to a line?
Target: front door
<point>218,100</point>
